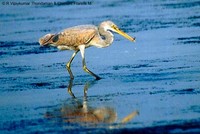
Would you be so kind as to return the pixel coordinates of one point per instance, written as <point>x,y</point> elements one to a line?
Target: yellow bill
<point>117,30</point>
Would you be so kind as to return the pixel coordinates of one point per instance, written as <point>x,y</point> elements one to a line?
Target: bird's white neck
<point>107,36</point>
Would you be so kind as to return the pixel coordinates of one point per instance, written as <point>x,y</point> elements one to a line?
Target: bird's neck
<point>107,36</point>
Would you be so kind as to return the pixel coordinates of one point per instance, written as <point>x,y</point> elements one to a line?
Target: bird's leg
<point>88,71</point>
<point>69,89</point>
<point>82,49</point>
<point>86,89</point>
<point>68,65</point>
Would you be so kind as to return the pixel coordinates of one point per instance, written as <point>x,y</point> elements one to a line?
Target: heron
<point>80,37</point>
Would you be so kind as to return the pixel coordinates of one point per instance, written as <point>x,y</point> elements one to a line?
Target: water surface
<point>158,76</point>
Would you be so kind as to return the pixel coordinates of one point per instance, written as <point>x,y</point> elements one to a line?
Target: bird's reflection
<point>79,111</point>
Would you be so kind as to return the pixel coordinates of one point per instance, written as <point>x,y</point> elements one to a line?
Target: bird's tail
<point>47,39</point>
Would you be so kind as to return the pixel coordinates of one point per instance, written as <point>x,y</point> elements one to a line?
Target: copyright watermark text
<point>34,3</point>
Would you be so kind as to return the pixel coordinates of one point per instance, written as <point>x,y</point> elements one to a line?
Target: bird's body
<point>71,38</point>
<point>83,36</point>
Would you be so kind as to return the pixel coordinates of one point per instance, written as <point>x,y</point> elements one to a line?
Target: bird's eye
<point>114,26</point>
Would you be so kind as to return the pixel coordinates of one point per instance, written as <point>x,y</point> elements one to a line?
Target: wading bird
<point>80,37</point>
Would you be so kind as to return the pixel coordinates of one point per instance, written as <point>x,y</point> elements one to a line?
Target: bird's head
<point>109,25</point>
<point>46,39</point>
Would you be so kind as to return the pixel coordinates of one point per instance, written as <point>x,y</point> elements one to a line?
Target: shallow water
<point>158,76</point>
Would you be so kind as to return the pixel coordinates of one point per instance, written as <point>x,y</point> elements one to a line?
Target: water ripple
<point>23,48</point>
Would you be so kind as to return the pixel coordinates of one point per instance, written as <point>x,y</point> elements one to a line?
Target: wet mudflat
<point>158,76</point>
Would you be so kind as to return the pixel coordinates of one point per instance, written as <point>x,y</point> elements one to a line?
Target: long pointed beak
<point>117,30</point>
